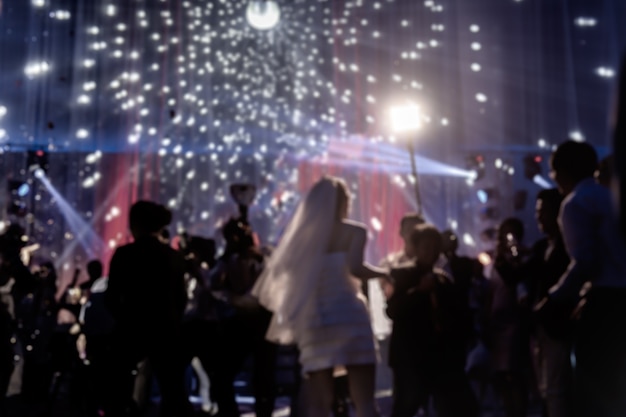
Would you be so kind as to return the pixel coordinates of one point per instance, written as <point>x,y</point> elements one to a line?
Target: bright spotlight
<point>263,14</point>
<point>81,230</point>
<point>406,118</point>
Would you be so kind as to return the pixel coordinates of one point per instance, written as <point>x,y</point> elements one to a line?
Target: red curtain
<point>116,192</point>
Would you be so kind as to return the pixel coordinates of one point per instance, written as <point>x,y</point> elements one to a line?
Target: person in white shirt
<point>598,261</point>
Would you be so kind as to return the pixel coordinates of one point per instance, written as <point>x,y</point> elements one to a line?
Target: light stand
<point>416,188</point>
<point>405,120</point>
<point>243,194</point>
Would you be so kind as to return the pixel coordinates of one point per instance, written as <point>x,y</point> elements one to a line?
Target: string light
<point>215,92</point>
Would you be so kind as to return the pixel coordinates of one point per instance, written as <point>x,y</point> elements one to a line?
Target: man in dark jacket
<point>146,297</point>
<point>426,351</point>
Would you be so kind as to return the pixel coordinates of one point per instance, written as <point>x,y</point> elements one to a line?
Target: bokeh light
<point>174,101</point>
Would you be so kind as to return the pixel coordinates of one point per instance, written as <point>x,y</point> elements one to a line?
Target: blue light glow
<point>23,190</point>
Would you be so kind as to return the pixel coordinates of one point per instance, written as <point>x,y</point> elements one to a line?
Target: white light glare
<point>60,15</point>
<point>585,22</point>
<point>88,182</point>
<point>3,111</point>
<point>83,99</point>
<point>605,72</point>
<point>263,15</point>
<point>577,136</point>
<point>38,3</point>
<point>376,224</point>
<point>468,240</point>
<point>93,157</point>
<point>406,118</point>
<point>36,68</point>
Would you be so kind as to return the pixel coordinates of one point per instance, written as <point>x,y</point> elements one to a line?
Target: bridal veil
<point>287,285</point>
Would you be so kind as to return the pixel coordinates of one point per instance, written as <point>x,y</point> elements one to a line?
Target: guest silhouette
<point>551,333</point>
<point>94,272</point>
<point>395,259</point>
<point>430,330</point>
<point>597,256</point>
<point>146,297</point>
<point>508,320</point>
<point>242,322</point>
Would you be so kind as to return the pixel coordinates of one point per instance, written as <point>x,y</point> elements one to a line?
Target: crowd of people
<point>546,318</point>
<point>514,323</point>
<point>159,311</point>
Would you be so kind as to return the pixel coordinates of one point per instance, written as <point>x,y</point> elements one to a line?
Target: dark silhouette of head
<point>450,243</point>
<point>407,224</point>
<point>148,218</point>
<point>47,269</point>
<point>48,276</point>
<point>571,163</point>
<point>238,235</point>
<point>94,269</point>
<point>411,220</point>
<point>426,244</point>
<point>547,208</point>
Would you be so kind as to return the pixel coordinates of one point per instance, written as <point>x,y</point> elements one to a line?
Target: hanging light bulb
<point>263,14</point>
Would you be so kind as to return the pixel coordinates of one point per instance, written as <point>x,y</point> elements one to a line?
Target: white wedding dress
<point>315,302</point>
<point>337,330</point>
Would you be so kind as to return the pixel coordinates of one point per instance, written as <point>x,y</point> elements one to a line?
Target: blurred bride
<point>311,284</point>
